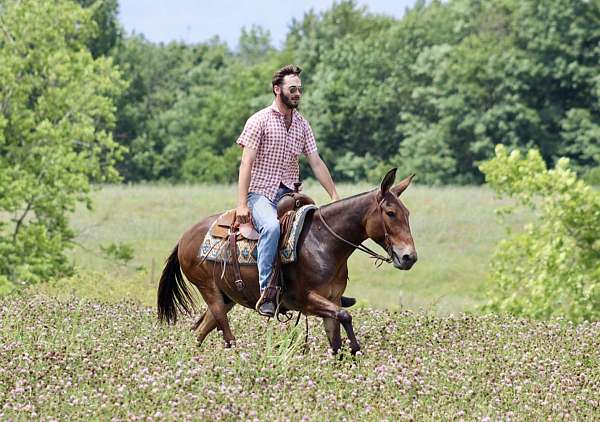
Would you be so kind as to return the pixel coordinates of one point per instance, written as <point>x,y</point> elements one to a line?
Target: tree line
<point>431,93</point>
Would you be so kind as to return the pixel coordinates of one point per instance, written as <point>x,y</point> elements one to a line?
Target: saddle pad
<point>216,249</point>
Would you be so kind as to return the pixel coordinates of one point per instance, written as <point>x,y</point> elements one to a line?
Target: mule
<point>314,283</point>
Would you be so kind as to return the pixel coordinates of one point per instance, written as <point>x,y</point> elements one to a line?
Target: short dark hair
<point>290,69</point>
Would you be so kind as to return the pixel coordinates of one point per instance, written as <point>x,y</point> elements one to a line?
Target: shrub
<point>353,168</point>
<point>207,167</point>
<point>552,268</point>
<point>592,177</point>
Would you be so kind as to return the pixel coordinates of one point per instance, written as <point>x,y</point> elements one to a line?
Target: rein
<point>362,247</point>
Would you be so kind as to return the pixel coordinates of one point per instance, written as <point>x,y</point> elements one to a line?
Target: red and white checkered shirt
<point>277,149</point>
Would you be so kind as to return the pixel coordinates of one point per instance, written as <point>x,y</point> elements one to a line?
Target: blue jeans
<point>264,218</point>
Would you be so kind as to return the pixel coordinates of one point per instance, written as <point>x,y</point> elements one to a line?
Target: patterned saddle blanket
<point>218,249</point>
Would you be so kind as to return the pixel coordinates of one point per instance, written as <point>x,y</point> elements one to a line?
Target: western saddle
<point>226,228</point>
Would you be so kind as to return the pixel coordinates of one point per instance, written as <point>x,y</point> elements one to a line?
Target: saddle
<point>225,225</point>
<point>226,228</point>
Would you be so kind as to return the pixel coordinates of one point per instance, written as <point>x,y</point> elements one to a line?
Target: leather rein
<point>363,248</point>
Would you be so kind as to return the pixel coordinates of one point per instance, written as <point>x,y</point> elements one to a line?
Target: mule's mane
<point>344,201</point>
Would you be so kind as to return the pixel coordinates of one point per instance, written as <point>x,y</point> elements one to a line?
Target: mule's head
<point>390,216</point>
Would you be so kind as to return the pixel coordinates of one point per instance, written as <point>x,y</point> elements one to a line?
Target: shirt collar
<point>276,110</point>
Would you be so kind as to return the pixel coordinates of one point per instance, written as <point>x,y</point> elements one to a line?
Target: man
<point>272,140</point>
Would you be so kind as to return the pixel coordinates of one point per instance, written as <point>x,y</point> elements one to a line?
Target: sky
<point>196,21</point>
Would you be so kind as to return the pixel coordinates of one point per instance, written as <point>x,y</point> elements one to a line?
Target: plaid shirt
<point>277,149</point>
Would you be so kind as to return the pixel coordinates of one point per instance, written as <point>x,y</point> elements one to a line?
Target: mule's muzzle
<point>404,259</point>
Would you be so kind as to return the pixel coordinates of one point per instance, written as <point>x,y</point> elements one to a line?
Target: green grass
<point>90,347</point>
<point>74,359</point>
<point>455,230</point>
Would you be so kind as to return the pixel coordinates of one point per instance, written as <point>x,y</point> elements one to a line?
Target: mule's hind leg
<point>197,323</point>
<point>218,312</point>
<point>207,323</point>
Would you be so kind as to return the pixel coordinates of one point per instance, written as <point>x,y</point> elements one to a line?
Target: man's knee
<point>270,228</point>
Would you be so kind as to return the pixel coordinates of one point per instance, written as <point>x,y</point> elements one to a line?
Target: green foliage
<point>212,120</point>
<point>208,167</point>
<point>497,84</point>
<point>56,117</point>
<point>430,93</point>
<point>552,268</point>
<point>254,45</point>
<point>107,32</point>
<point>354,168</point>
<point>592,176</point>
<point>121,252</point>
<point>186,105</point>
<point>151,122</point>
<point>281,345</point>
<point>5,286</point>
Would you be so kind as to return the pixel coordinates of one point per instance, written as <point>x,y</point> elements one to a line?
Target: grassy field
<point>75,359</point>
<point>455,230</point>
<point>89,347</point>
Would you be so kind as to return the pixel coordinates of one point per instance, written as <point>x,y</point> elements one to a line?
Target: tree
<point>552,267</point>
<point>151,124</point>
<point>107,32</point>
<point>522,74</point>
<point>561,40</point>
<point>254,45</point>
<point>56,117</point>
<point>364,80</point>
<point>216,118</point>
<point>431,93</point>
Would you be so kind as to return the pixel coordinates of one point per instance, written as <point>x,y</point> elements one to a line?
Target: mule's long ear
<point>388,180</point>
<point>397,190</point>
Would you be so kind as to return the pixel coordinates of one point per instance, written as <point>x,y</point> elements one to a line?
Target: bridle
<point>379,259</point>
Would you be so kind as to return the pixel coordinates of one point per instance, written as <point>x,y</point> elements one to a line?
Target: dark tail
<point>173,293</point>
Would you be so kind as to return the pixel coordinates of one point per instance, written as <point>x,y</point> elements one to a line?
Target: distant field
<point>455,230</point>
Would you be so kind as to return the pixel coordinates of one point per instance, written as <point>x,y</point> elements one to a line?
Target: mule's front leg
<point>318,305</point>
<point>332,329</point>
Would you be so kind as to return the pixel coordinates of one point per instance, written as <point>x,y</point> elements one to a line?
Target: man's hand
<point>242,214</point>
<point>335,197</point>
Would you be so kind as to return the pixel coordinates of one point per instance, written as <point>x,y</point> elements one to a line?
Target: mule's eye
<point>390,213</point>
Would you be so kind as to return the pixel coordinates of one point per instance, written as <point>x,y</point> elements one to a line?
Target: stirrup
<point>270,312</point>
<point>269,294</point>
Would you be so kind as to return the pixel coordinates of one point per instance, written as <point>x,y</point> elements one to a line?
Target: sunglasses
<point>294,89</point>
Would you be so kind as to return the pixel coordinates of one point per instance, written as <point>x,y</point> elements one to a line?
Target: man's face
<point>291,91</point>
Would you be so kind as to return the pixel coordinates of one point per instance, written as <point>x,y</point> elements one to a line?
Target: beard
<point>289,102</point>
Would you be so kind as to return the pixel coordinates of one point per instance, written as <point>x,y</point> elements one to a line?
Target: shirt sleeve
<point>252,133</point>
<point>310,145</point>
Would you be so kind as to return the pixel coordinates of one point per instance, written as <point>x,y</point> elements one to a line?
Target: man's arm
<point>322,174</point>
<point>242,211</point>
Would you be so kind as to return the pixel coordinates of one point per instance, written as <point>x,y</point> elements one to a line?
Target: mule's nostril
<point>409,258</point>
